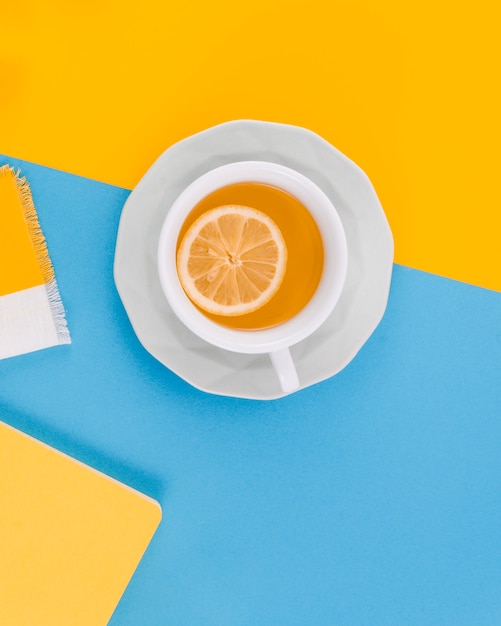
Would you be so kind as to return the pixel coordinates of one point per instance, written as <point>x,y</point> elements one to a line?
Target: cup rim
<point>319,307</point>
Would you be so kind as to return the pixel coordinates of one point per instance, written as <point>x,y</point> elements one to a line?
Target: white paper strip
<point>29,322</point>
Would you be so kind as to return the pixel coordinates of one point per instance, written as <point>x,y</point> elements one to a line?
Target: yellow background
<point>410,92</point>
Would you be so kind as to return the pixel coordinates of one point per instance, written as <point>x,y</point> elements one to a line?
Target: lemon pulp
<point>232,260</point>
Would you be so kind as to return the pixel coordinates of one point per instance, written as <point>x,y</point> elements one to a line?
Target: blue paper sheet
<point>373,498</point>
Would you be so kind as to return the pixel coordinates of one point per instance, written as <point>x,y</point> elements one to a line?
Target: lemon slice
<point>232,260</point>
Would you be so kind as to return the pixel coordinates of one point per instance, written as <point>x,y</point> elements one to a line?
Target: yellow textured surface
<point>408,91</point>
<point>70,537</point>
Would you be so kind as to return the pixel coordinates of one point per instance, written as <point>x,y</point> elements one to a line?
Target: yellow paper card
<point>70,536</point>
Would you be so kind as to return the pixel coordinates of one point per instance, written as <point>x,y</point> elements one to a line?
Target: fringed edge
<point>58,312</point>
<point>41,252</point>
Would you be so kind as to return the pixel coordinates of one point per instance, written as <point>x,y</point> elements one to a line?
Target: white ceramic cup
<point>275,341</point>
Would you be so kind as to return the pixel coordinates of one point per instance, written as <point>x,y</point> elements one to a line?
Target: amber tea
<point>303,257</point>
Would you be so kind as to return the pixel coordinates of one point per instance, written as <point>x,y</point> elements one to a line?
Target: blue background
<point>371,498</point>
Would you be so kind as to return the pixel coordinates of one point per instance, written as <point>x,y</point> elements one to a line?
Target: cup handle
<point>285,369</point>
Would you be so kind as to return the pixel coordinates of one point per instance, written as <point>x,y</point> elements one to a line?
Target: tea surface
<point>302,237</point>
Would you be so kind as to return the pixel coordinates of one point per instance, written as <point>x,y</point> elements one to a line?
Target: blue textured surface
<point>373,498</point>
